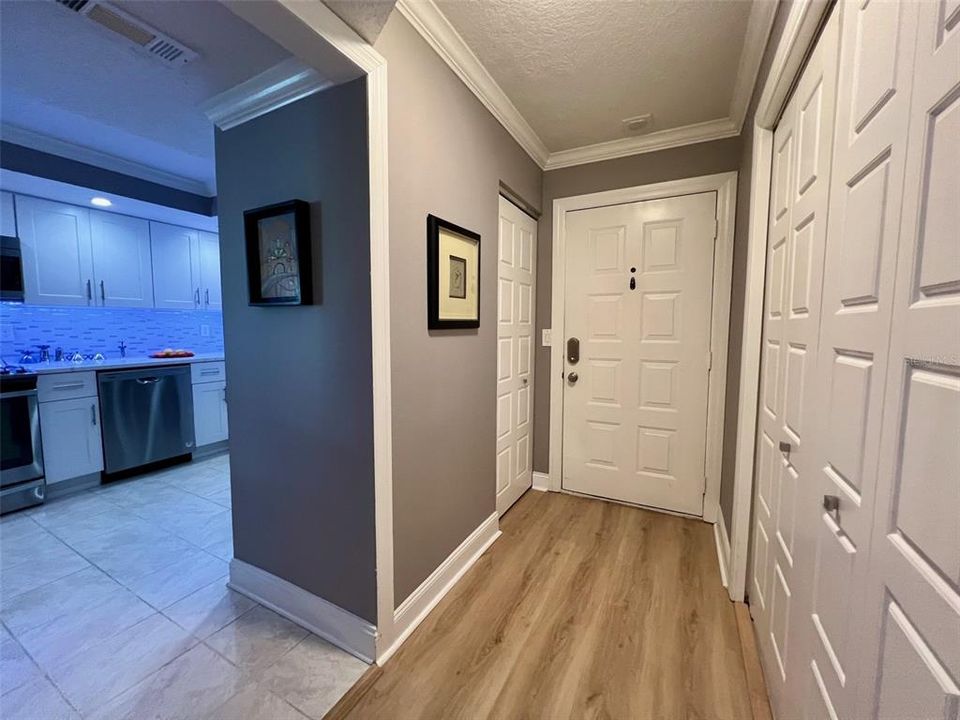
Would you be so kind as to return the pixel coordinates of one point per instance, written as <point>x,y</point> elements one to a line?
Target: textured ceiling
<point>366,17</point>
<point>63,76</point>
<point>576,68</point>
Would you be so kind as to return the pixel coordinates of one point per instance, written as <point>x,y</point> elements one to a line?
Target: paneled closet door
<point>911,657</point>
<point>873,99</point>
<point>787,418</point>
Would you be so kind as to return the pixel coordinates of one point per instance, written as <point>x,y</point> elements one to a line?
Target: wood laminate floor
<point>582,609</point>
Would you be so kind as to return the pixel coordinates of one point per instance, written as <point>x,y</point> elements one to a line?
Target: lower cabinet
<point>210,412</point>
<point>70,431</point>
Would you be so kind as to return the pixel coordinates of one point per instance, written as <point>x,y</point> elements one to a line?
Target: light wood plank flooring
<point>582,609</point>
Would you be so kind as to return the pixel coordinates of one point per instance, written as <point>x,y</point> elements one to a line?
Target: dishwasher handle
<point>148,380</point>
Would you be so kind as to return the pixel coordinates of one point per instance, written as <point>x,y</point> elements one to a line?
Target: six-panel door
<point>516,253</point>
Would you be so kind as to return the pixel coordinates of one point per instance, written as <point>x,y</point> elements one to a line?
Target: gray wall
<point>447,157</point>
<point>300,378</point>
<point>740,274</point>
<point>683,162</point>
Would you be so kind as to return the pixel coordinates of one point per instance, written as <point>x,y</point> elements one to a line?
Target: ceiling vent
<point>143,37</point>
<point>637,124</point>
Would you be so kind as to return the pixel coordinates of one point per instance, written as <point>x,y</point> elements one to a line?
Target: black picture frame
<point>434,320</point>
<point>285,285</point>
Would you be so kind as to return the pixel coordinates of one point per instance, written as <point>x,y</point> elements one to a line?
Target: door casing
<point>725,185</point>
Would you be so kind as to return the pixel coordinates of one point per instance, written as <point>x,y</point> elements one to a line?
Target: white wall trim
<point>799,33</point>
<point>660,140</point>
<point>433,26</point>
<point>541,481</point>
<point>79,153</point>
<point>759,25</point>
<point>319,616</point>
<point>286,82</point>
<point>321,20</point>
<point>723,549</point>
<point>431,591</point>
<point>725,185</point>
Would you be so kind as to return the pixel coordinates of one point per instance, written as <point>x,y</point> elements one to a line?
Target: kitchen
<point>112,345</point>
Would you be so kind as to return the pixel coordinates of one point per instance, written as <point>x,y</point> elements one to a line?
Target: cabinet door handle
<point>93,415</point>
<point>103,293</point>
<point>196,297</point>
<point>206,295</point>
<point>89,291</point>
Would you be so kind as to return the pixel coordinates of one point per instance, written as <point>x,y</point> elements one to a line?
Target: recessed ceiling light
<point>100,202</point>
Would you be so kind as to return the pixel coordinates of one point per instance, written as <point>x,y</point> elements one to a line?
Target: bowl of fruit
<point>171,353</point>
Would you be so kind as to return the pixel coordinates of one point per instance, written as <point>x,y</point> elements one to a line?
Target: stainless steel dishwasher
<point>147,416</point>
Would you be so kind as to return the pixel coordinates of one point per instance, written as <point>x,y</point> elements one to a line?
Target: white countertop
<point>117,363</point>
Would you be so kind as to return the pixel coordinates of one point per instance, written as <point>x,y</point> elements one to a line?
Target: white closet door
<point>911,654</point>
<point>787,419</point>
<point>873,98</point>
<point>517,253</point>
<point>122,270</point>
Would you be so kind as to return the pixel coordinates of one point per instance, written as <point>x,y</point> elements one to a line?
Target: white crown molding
<point>282,84</point>
<point>660,140</point>
<point>759,25</point>
<point>62,148</point>
<point>434,27</point>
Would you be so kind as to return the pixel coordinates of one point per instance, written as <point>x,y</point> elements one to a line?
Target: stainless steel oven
<point>21,458</point>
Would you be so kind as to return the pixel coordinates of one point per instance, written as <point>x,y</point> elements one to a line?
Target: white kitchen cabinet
<point>122,273</point>
<point>57,252</point>
<point>210,271</point>
<point>210,412</point>
<point>8,220</point>
<point>70,431</point>
<point>176,266</point>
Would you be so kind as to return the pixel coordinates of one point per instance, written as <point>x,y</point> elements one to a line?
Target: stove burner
<point>13,370</point>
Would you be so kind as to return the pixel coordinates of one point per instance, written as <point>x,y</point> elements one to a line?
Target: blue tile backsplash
<point>91,330</point>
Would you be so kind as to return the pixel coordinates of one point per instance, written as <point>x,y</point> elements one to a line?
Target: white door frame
<point>725,185</point>
<point>797,39</point>
<point>347,44</point>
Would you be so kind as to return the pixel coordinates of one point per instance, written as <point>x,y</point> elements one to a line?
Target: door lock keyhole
<point>633,280</point>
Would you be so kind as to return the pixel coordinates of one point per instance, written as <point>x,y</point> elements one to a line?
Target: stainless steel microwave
<point>11,269</point>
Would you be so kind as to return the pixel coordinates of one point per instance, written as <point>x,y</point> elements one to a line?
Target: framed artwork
<point>278,254</point>
<point>453,276</point>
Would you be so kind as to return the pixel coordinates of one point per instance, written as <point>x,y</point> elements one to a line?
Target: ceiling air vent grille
<point>143,37</point>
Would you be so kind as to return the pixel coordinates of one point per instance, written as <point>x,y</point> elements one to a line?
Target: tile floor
<point>113,604</point>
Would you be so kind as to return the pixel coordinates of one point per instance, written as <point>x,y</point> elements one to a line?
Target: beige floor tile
<point>256,639</point>
<point>209,609</point>
<point>255,702</point>
<point>192,570</point>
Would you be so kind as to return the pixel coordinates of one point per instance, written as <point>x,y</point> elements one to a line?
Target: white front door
<point>517,253</point>
<point>638,295</point>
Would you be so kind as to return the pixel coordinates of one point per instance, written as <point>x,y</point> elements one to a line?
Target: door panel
<point>874,86</point>
<point>122,271</point>
<point>789,417</point>
<point>638,293</point>
<point>57,255</point>
<point>515,328</point>
<point>176,267</point>
<point>911,652</point>
<point>209,250</point>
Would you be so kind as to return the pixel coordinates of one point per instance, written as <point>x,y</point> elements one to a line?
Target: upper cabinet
<point>176,266</point>
<point>210,271</point>
<point>57,253</point>
<point>121,260</point>
<point>78,256</point>
<point>8,221</point>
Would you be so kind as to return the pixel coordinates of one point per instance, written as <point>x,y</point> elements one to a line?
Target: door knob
<point>785,448</point>
<point>572,378</point>
<point>831,503</point>
<point>525,381</point>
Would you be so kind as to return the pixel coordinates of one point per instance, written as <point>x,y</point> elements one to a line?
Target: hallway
<point>582,608</point>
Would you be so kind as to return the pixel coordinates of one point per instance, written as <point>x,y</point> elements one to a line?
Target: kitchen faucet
<point>123,349</point>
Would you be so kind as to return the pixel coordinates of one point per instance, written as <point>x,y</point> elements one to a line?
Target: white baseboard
<point>723,547</point>
<point>541,481</point>
<point>415,608</point>
<point>323,618</point>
